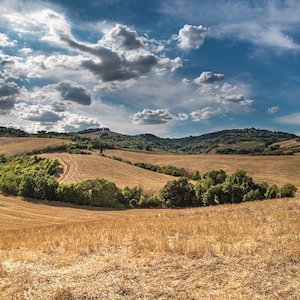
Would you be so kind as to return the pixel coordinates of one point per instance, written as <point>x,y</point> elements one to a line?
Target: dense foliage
<point>28,176</point>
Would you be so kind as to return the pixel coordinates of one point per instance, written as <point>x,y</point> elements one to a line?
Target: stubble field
<point>16,145</point>
<point>245,251</point>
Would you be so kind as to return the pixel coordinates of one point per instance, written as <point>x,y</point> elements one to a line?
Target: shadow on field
<point>71,205</point>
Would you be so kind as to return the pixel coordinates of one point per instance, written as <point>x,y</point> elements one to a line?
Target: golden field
<point>245,251</point>
<point>271,169</point>
<point>78,167</point>
<point>16,145</point>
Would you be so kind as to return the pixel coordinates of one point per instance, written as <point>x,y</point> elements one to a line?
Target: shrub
<point>153,201</point>
<point>214,176</point>
<point>178,193</point>
<point>288,190</point>
<point>132,193</point>
<point>213,195</point>
<point>272,192</point>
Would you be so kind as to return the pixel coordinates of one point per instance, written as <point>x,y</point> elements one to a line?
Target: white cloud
<point>209,77</point>
<point>205,113</point>
<point>156,116</point>
<point>191,37</point>
<point>25,51</point>
<point>5,41</point>
<point>273,109</point>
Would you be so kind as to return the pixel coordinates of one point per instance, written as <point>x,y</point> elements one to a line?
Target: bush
<point>288,190</point>
<point>214,177</point>
<point>132,193</point>
<point>213,196</point>
<point>272,192</point>
<point>153,201</point>
<point>178,193</point>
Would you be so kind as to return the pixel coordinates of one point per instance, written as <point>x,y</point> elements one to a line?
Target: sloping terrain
<point>233,141</point>
<point>78,167</point>
<point>271,169</point>
<point>16,145</point>
<point>245,251</point>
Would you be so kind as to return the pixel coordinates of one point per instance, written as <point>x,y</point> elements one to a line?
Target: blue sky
<point>171,68</point>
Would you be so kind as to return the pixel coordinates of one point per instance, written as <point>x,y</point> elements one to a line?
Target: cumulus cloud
<point>36,112</point>
<point>75,93</point>
<point>209,77</point>
<point>8,93</point>
<point>156,116</point>
<point>273,109</point>
<point>48,117</point>
<point>205,113</point>
<point>5,41</point>
<point>121,37</point>
<point>191,37</point>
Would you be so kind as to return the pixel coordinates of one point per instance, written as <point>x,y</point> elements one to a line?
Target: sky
<point>172,68</point>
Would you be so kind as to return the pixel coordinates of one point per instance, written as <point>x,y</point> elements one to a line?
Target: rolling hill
<point>77,167</point>
<point>271,169</point>
<point>235,141</point>
<point>17,145</point>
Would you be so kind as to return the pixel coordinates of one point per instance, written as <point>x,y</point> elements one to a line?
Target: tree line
<point>35,177</point>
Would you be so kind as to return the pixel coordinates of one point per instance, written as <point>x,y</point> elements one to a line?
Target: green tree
<point>178,193</point>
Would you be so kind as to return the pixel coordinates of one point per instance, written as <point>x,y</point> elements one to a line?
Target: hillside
<point>16,145</point>
<point>238,141</point>
<point>234,141</point>
<point>271,169</point>
<point>78,167</point>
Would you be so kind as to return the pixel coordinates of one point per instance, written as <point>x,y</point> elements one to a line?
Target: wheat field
<point>244,251</point>
<point>12,145</point>
<point>78,167</point>
<point>271,169</point>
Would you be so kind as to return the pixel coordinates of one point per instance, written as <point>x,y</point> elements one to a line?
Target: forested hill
<point>233,141</point>
<point>240,141</point>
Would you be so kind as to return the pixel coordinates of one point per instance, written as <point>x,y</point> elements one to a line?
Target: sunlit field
<point>244,251</point>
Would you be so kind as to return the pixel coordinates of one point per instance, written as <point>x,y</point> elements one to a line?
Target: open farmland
<point>78,167</point>
<point>271,169</point>
<point>16,145</point>
<point>245,251</point>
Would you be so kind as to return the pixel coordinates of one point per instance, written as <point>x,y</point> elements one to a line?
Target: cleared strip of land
<point>78,167</point>
<point>271,169</point>
<point>11,145</point>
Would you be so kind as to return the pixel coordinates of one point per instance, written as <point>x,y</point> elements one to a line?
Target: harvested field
<point>11,145</point>
<point>292,143</point>
<point>78,167</point>
<point>245,251</point>
<point>271,169</point>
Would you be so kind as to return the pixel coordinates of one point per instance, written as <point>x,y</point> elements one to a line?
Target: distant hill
<point>233,141</point>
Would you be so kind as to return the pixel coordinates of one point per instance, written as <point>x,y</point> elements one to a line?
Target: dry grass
<point>11,145</point>
<point>271,169</point>
<point>78,167</point>
<point>292,143</point>
<point>246,251</point>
